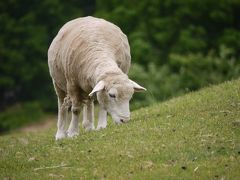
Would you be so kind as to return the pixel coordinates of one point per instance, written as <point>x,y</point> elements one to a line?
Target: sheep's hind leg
<point>88,116</point>
<point>63,105</point>
<point>73,129</point>
<point>102,118</point>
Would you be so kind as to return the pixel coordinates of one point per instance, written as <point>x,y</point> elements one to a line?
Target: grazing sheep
<point>90,56</point>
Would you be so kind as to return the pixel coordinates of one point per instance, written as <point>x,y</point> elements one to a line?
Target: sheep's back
<point>83,40</point>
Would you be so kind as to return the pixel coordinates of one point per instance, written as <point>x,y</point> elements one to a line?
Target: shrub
<point>183,73</point>
<point>19,115</point>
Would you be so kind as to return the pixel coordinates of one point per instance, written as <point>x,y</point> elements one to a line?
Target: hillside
<point>193,136</point>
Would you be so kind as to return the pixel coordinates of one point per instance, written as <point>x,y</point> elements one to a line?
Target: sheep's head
<point>114,94</point>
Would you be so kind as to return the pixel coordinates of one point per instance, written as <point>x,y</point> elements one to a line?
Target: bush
<point>196,70</point>
<point>19,115</point>
<point>159,82</point>
<point>183,73</point>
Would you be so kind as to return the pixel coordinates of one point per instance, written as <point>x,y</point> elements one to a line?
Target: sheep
<point>90,56</point>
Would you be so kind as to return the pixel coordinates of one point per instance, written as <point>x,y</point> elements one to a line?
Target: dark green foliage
<point>184,73</point>
<point>27,28</point>
<point>176,46</point>
<point>20,114</point>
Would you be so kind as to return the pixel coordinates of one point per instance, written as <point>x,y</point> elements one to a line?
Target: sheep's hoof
<point>60,135</point>
<point>88,127</point>
<point>101,127</point>
<point>72,134</point>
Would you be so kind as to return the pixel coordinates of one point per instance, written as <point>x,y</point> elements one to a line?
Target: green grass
<point>196,136</point>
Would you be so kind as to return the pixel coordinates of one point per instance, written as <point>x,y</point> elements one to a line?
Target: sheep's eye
<point>112,95</point>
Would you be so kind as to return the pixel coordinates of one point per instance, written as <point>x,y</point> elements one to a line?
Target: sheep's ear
<point>137,87</point>
<point>100,86</point>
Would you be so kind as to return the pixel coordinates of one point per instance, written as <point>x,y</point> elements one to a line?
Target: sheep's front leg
<point>102,118</point>
<point>73,129</point>
<point>88,116</point>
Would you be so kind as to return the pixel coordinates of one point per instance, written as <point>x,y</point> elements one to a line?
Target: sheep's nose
<point>124,120</point>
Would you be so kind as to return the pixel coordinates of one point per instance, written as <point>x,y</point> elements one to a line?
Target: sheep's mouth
<point>122,121</point>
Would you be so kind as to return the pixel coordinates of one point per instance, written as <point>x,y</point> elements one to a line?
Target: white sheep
<point>90,55</point>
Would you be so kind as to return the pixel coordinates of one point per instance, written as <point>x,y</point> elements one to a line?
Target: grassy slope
<point>194,136</point>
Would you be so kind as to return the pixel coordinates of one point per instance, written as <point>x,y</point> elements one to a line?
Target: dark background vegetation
<point>176,47</point>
